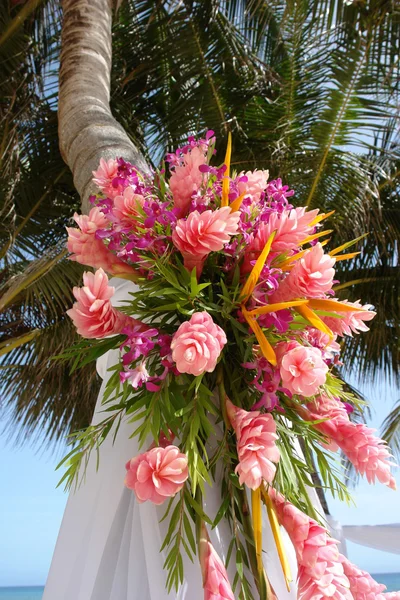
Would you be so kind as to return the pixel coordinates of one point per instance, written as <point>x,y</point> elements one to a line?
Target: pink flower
<point>368,453</point>
<point>362,585</point>
<point>197,344</point>
<point>321,574</point>
<point>157,474</point>
<point>93,314</point>
<point>351,322</point>
<point>126,208</point>
<point>87,249</point>
<point>215,578</point>
<point>186,179</point>
<point>256,447</point>
<point>200,234</point>
<point>104,176</point>
<point>311,277</point>
<point>302,368</point>
<point>255,185</point>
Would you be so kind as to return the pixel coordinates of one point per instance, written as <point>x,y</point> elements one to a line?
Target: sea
<point>35,592</point>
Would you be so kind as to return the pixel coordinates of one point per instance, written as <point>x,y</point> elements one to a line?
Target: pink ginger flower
<point>256,447</point>
<point>157,474</point>
<point>200,234</point>
<point>215,578</point>
<point>351,322</point>
<point>186,179</point>
<point>93,314</point>
<point>321,574</point>
<point>255,185</point>
<point>362,585</point>
<point>126,208</point>
<point>302,368</point>
<point>311,277</point>
<point>87,249</point>
<point>368,453</point>
<point>197,344</point>
<point>104,176</point>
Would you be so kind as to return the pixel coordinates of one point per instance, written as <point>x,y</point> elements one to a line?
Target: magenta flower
<point>197,344</point>
<point>301,367</point>
<point>157,474</point>
<point>200,234</point>
<point>256,447</point>
<point>93,314</point>
<point>215,578</point>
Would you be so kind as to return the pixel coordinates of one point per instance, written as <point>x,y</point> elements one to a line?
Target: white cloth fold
<point>379,537</point>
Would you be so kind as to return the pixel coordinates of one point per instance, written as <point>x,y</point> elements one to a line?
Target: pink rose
<point>186,179</point>
<point>200,234</point>
<point>302,368</point>
<point>93,314</point>
<point>256,445</point>
<point>197,344</point>
<point>157,474</point>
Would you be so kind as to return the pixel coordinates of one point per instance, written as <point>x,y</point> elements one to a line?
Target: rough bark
<point>87,129</point>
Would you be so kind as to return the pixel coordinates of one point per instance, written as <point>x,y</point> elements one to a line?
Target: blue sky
<point>31,509</point>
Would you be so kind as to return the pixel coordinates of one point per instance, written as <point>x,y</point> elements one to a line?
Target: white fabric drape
<point>108,547</point>
<point>379,537</point>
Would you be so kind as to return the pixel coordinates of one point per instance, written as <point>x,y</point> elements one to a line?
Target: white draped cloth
<point>108,546</point>
<point>379,537</point>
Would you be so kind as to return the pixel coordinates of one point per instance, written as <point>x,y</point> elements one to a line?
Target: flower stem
<point>222,395</point>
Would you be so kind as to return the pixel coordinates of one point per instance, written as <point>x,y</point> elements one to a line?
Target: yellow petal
<point>347,256</point>
<point>315,236</point>
<point>265,346</point>
<point>347,245</point>
<point>333,305</point>
<point>257,525</point>
<point>273,519</point>
<point>314,319</point>
<point>321,217</point>
<point>225,179</point>
<point>256,270</point>
<point>236,204</point>
<point>264,310</point>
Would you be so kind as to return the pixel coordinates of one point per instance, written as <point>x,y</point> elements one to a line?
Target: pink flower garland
<point>215,578</point>
<point>321,574</point>
<point>256,447</point>
<point>368,453</point>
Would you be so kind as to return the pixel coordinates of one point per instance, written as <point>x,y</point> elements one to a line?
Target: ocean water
<point>34,592</point>
<point>391,580</point>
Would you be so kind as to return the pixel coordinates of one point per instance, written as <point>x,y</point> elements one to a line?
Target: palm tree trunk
<point>87,129</point>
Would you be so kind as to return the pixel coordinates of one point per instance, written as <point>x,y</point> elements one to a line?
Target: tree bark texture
<point>87,129</point>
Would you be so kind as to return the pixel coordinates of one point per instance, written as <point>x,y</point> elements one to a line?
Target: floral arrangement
<point>232,336</point>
